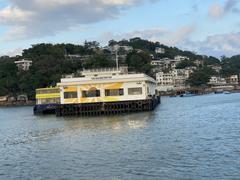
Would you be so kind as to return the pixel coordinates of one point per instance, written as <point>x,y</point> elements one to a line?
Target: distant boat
<point>227,92</point>
<point>187,94</point>
<point>218,92</point>
<point>173,95</point>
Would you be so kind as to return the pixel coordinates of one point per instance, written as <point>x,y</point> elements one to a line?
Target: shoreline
<point>17,104</point>
<point>197,92</point>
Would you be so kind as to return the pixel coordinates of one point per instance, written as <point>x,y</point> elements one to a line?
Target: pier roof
<point>106,79</point>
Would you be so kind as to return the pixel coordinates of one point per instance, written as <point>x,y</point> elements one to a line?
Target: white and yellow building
<point>97,92</point>
<point>106,85</point>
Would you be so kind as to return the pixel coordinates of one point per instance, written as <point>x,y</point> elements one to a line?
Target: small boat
<point>47,100</point>
<point>187,94</point>
<point>227,92</point>
<point>174,95</point>
<point>218,92</point>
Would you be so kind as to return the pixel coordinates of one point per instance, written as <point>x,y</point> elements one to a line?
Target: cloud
<point>216,45</point>
<point>38,18</point>
<point>162,35</point>
<point>217,11</point>
<point>13,53</point>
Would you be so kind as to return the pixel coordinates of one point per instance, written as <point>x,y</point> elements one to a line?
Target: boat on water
<point>227,92</point>
<point>187,94</point>
<point>100,92</point>
<point>219,91</point>
<point>47,100</point>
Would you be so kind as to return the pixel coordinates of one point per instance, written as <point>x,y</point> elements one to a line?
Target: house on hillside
<point>233,79</point>
<point>173,80</point>
<point>23,65</point>
<point>180,58</point>
<point>115,48</point>
<point>77,57</point>
<point>159,50</point>
<point>3,99</point>
<point>216,81</point>
<point>165,81</point>
<point>165,63</point>
<point>215,67</point>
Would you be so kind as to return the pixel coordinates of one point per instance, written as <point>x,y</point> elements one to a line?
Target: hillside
<point>51,61</point>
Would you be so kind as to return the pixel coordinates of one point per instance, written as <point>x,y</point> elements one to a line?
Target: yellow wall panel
<point>87,87</point>
<point>70,89</point>
<point>47,96</point>
<point>71,101</point>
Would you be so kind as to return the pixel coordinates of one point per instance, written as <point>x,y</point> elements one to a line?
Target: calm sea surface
<point>185,138</point>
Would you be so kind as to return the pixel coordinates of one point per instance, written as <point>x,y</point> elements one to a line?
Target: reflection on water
<point>72,125</point>
<point>185,138</point>
<point>121,122</point>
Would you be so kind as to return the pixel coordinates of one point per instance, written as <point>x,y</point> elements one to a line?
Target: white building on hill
<point>216,68</point>
<point>117,47</point>
<point>181,58</point>
<point>216,80</point>
<point>233,80</point>
<point>173,80</point>
<point>159,50</point>
<point>165,63</point>
<point>23,64</point>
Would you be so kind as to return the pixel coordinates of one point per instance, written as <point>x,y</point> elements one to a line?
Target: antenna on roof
<point>117,60</point>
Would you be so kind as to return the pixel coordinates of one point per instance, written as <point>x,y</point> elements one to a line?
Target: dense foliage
<point>231,65</point>
<point>201,76</point>
<point>99,60</point>
<point>8,76</point>
<point>184,64</point>
<point>139,62</point>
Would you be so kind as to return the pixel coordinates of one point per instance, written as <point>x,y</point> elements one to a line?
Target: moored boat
<point>47,100</point>
<point>187,94</point>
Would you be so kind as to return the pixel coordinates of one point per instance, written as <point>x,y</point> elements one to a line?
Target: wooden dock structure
<point>107,108</point>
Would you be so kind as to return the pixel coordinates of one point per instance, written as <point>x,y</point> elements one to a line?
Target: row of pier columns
<point>110,108</point>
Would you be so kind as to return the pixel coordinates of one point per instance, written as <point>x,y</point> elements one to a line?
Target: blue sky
<point>209,27</point>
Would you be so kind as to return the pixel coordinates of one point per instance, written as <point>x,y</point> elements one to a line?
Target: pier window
<point>91,93</point>
<point>48,101</point>
<point>135,91</point>
<point>114,92</point>
<point>70,95</point>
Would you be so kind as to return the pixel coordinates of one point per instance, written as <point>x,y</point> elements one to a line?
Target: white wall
<point>138,84</point>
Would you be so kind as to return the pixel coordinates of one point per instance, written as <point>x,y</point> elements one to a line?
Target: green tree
<point>231,66</point>
<point>185,63</point>
<point>99,61</point>
<point>139,62</point>
<point>8,77</point>
<point>200,77</point>
<point>211,60</point>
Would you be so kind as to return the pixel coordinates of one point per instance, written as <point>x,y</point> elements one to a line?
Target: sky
<point>209,27</point>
